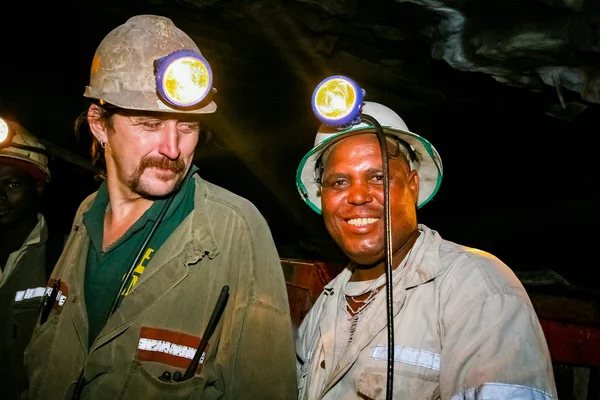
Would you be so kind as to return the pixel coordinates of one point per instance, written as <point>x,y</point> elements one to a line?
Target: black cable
<point>388,253</point>
<point>115,303</point>
<point>81,380</point>
<point>79,386</point>
<point>125,281</point>
<point>210,327</point>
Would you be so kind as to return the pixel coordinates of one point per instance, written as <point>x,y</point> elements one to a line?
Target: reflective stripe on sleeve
<point>494,390</point>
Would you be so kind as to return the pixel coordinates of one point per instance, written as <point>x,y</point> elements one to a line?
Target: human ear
<point>413,184</point>
<point>95,123</point>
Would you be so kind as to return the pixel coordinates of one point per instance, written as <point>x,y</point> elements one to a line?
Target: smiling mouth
<point>362,221</point>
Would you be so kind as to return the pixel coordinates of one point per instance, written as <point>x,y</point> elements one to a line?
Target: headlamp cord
<point>388,253</point>
<point>115,304</point>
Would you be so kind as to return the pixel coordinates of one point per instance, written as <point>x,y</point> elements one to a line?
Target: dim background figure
<point>27,250</point>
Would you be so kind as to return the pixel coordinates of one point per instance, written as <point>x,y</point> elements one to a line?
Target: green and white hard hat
<point>428,163</point>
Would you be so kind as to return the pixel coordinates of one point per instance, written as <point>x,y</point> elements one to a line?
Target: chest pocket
<point>26,308</point>
<point>25,299</point>
<point>416,374</point>
<point>159,351</point>
<point>144,384</point>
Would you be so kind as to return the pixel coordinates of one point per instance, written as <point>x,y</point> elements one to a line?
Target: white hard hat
<point>428,163</point>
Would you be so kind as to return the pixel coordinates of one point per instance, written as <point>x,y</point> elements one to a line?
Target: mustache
<point>164,163</point>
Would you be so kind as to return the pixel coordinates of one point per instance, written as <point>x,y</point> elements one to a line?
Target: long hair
<point>96,149</point>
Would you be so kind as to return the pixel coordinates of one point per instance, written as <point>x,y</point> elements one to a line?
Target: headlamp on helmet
<point>183,78</point>
<point>337,101</point>
<point>7,134</point>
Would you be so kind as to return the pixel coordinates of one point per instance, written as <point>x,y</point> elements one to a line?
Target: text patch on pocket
<point>167,347</point>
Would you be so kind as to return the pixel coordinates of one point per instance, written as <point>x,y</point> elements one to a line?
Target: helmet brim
<point>38,171</point>
<point>429,165</point>
<point>143,101</point>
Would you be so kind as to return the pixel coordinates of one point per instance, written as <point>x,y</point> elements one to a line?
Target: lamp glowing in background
<point>5,134</point>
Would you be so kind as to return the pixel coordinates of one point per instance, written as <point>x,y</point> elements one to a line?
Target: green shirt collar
<point>93,218</point>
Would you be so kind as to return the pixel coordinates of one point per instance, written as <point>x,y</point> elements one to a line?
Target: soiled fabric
<point>464,328</point>
<point>158,326</point>
<point>22,286</point>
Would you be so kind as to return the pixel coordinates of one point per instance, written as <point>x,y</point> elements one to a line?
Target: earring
<point>102,143</point>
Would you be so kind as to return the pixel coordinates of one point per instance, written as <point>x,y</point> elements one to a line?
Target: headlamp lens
<point>183,78</point>
<point>337,100</point>
<point>4,132</point>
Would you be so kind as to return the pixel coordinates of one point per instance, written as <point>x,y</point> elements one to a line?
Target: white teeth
<point>362,221</point>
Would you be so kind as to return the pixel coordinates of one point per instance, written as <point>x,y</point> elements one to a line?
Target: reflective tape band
<point>407,355</point>
<point>30,293</point>
<point>162,346</point>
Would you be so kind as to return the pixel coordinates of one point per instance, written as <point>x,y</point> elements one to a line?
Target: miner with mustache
<point>153,248</point>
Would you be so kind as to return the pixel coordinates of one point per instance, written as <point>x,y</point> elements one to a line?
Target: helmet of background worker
<point>123,68</point>
<point>20,148</point>
<point>427,162</point>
